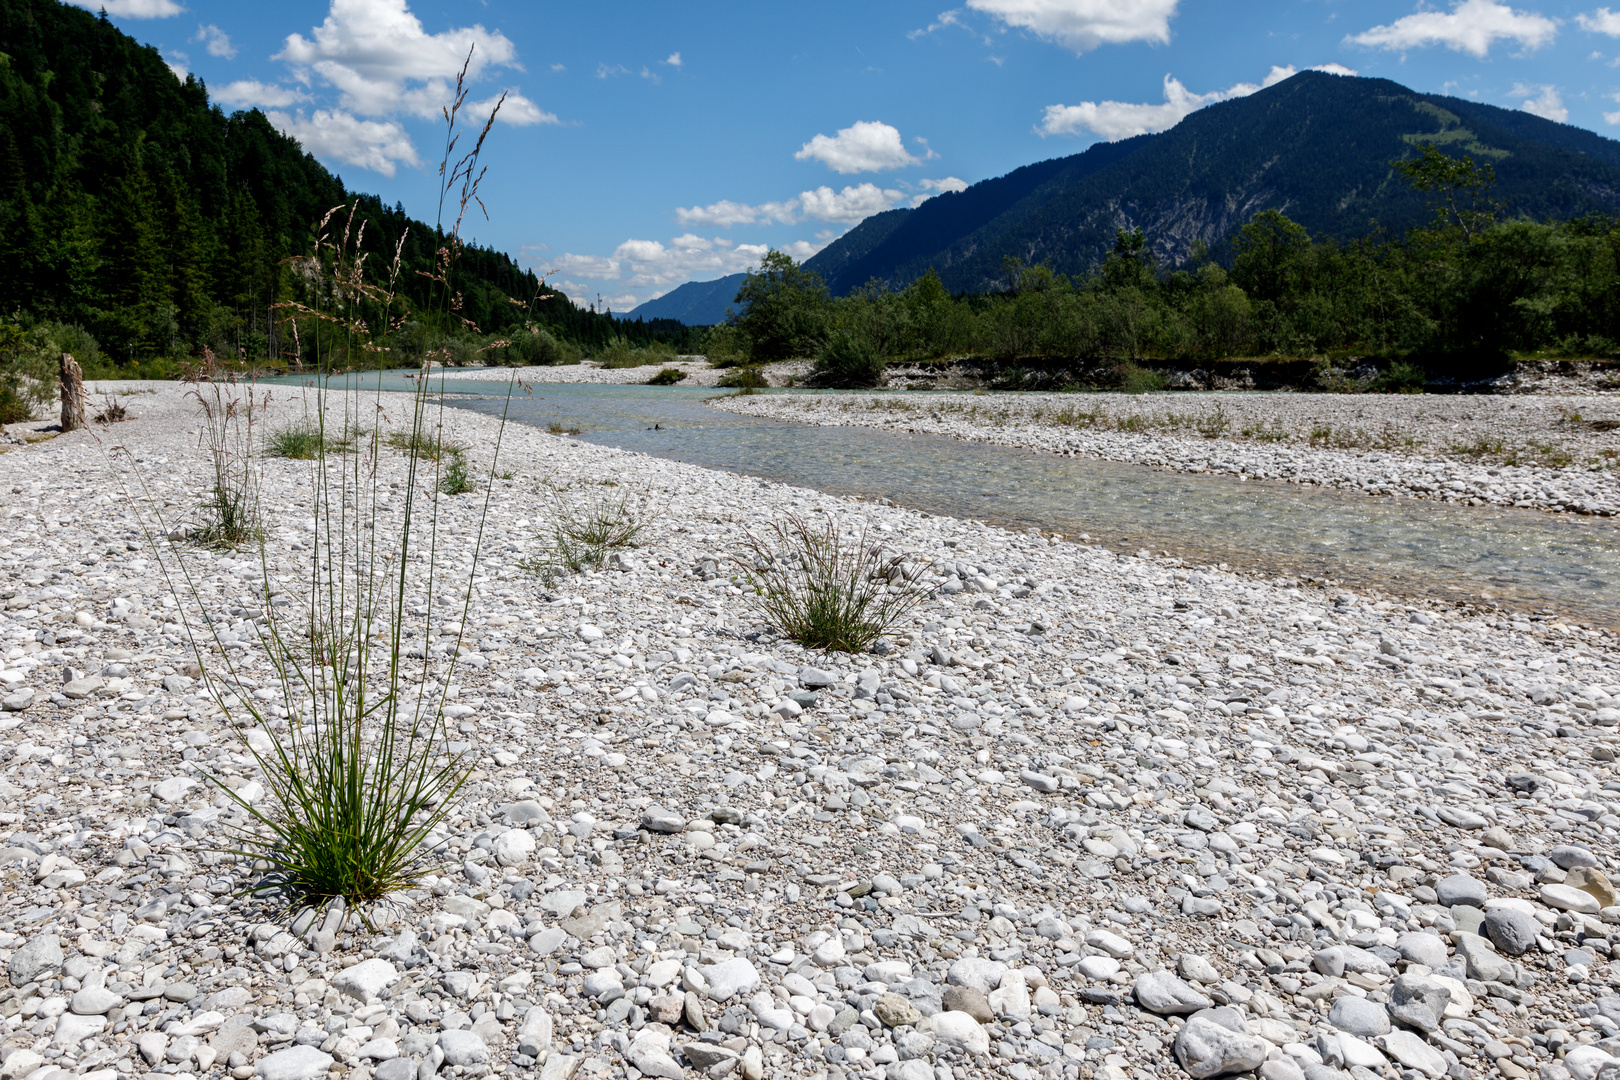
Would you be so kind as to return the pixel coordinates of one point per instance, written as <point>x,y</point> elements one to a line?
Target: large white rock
<point>296,1063</point>
<point>1410,1050</point>
<point>1206,1048</point>
<point>957,1029</point>
<point>514,847</point>
<point>365,981</point>
<point>72,1030</point>
<point>535,1033</point>
<point>729,978</point>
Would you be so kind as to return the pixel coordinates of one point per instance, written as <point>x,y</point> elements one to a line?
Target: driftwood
<point>72,394</point>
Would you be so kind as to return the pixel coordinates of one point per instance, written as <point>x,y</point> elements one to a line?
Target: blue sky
<point>647,144</point>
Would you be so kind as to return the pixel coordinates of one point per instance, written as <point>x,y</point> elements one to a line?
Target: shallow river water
<point>1526,560</point>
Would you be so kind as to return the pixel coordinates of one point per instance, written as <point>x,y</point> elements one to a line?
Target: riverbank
<point>1080,796</point>
<point>1554,453</point>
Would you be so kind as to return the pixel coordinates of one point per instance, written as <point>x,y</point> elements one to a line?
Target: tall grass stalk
<point>355,749</point>
<point>824,591</point>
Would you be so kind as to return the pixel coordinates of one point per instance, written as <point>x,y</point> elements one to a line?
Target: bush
<point>619,353</point>
<point>534,347</point>
<point>824,592</point>
<point>750,377</point>
<point>668,377</point>
<point>723,347</point>
<point>1401,377</point>
<point>848,360</point>
<point>1133,379</point>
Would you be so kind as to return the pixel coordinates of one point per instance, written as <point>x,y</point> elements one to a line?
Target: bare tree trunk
<point>72,394</point>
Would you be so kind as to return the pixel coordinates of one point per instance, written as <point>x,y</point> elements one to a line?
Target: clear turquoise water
<point>1525,560</point>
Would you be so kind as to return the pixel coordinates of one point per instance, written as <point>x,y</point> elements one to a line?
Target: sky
<point>642,145</point>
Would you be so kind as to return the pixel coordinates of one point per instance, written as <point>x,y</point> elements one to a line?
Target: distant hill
<point>1316,147</point>
<point>134,207</point>
<point>697,303</point>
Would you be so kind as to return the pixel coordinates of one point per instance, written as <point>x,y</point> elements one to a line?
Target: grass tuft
<point>667,377</point>
<point>824,591</point>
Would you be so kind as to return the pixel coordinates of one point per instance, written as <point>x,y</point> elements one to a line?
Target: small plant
<point>1321,434</point>
<point>112,410</point>
<point>667,377</point>
<point>823,591</point>
<point>1482,446</point>
<point>420,444</point>
<point>300,440</point>
<point>230,511</point>
<point>583,532</point>
<point>1213,423</point>
<point>557,427</point>
<point>455,478</point>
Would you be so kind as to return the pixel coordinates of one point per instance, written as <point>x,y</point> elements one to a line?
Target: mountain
<point>1316,147</point>
<point>696,303</point>
<point>133,207</point>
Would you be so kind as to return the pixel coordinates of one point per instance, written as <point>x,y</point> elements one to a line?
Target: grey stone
<point>294,1063</point>
<point>18,700</point>
<point>72,1029</point>
<point>398,1068</point>
<point>1461,889</point>
<point>1338,959</point>
<point>1513,932</point>
<point>548,941</point>
<point>971,1000</point>
<point>95,1001</point>
<point>1414,1053</point>
<point>1161,992</point>
<point>39,959</point>
<point>659,820</point>
<point>1569,856</point>
<point>1206,1048</point>
<point>1359,1016</point>
<point>1483,961</point>
<point>1422,947</point>
<point>525,812</point>
<point>1418,1002</point>
<point>815,678</point>
<point>535,1033</point>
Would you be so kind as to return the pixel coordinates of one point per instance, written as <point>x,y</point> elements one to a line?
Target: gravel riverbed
<point>1470,449</point>
<point>1088,814</point>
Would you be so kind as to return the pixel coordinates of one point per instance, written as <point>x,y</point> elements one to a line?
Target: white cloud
<point>865,146</point>
<point>850,206</point>
<point>177,63</point>
<point>1613,117</point>
<point>606,71</point>
<point>651,265</point>
<point>134,9</point>
<point>1601,21</point>
<point>725,213</point>
<point>1471,26</point>
<point>1542,101</point>
<point>328,133</point>
<point>250,93</point>
<point>382,62</point>
<point>1083,25</point>
<point>216,41</point>
<point>937,187</point>
<point>1114,120</point>
<point>674,59</point>
<point>516,110</point>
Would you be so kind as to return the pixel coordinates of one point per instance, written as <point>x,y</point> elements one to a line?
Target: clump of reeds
<point>823,590</point>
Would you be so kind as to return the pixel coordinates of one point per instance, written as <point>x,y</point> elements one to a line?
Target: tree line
<point>1461,296</point>
<point>141,224</point>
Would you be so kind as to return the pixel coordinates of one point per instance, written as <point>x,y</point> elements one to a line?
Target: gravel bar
<point>1088,816</point>
<point>1475,450</point>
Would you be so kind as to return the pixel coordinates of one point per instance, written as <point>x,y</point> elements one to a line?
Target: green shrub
<point>584,530</point>
<point>668,377</point>
<point>1134,379</point>
<point>750,377</point>
<point>848,360</point>
<point>825,592</point>
<point>619,353</point>
<point>1401,377</point>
